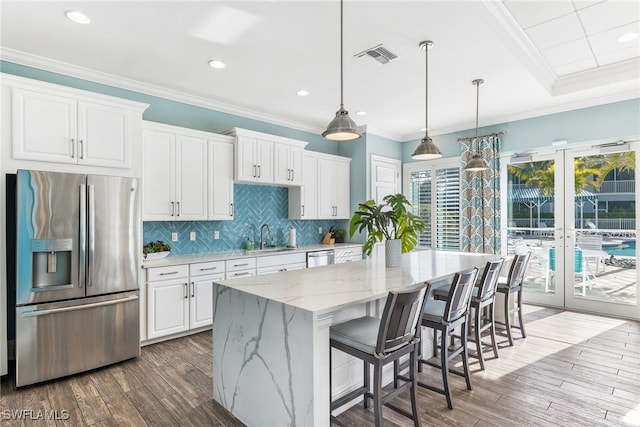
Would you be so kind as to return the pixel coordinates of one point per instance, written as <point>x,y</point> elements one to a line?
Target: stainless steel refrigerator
<point>77,273</point>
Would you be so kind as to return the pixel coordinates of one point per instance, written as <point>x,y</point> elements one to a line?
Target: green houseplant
<point>390,221</point>
<point>155,250</point>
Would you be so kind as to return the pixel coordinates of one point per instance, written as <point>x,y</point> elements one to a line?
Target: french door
<point>575,210</point>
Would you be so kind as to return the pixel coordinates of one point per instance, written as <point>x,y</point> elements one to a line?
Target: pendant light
<point>477,163</point>
<point>426,150</point>
<point>342,128</point>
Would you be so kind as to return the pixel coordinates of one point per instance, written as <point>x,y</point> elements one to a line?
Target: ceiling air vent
<point>379,53</point>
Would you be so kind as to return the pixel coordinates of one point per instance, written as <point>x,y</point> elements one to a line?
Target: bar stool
<point>445,316</point>
<point>512,285</point>
<point>482,300</point>
<point>378,342</point>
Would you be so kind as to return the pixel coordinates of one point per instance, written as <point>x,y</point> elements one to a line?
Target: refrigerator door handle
<point>82,244</point>
<point>91,241</point>
<point>78,307</point>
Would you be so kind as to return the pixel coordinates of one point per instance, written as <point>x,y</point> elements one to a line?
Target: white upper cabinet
<point>52,123</point>
<point>174,175</point>
<point>303,200</point>
<point>333,187</point>
<point>267,159</point>
<point>287,164</point>
<point>221,178</point>
<point>254,160</point>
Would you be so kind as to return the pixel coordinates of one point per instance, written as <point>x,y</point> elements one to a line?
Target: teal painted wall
<point>615,120</point>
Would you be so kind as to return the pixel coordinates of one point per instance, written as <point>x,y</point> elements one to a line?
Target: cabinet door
<point>295,163</point>
<point>191,178</point>
<point>303,200</point>
<point>44,127</point>
<point>342,191</point>
<point>326,207</point>
<point>201,301</point>
<point>220,180</point>
<point>246,168</point>
<point>281,163</point>
<point>264,160</point>
<point>167,307</point>
<point>103,135</point>
<point>158,176</point>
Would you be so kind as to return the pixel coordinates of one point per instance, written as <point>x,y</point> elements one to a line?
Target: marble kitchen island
<point>271,332</point>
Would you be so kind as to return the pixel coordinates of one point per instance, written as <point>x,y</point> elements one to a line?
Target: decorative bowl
<point>156,255</point>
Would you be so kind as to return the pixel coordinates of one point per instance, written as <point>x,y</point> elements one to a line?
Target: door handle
<point>259,172</point>
<point>186,290</point>
<point>173,209</point>
<point>91,238</point>
<point>178,203</point>
<point>254,171</point>
<point>302,210</point>
<point>73,148</point>
<point>81,149</point>
<point>77,307</point>
<point>193,290</point>
<point>230,209</point>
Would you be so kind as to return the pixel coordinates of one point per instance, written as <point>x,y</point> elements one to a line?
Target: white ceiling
<point>536,57</point>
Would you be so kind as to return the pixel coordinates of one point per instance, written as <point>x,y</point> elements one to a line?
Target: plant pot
<point>393,253</point>
<point>156,255</point>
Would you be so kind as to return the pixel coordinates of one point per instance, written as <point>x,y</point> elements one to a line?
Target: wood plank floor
<point>573,369</point>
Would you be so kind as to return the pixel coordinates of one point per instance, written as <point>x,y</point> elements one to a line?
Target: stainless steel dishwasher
<point>318,258</point>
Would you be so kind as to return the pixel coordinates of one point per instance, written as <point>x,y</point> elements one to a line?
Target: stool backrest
<point>460,294</point>
<point>489,280</point>
<point>400,319</point>
<point>518,267</point>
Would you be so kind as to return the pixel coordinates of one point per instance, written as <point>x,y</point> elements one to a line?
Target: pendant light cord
<point>341,59</point>
<point>426,89</point>
<point>477,82</point>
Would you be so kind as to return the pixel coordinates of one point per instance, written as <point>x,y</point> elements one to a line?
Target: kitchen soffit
<point>260,40</point>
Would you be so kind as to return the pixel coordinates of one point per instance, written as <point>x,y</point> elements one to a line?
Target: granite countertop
<point>240,253</point>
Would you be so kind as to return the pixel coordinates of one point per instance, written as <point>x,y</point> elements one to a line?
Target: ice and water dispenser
<point>51,262</point>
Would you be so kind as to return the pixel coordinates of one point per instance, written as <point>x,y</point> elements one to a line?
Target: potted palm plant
<point>390,221</point>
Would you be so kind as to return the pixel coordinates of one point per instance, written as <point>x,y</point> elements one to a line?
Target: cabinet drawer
<point>348,254</point>
<point>281,259</point>
<point>240,264</point>
<point>206,268</point>
<point>166,273</point>
<point>240,273</point>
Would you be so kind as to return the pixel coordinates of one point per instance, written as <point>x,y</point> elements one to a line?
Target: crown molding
<point>514,37</point>
<point>66,69</point>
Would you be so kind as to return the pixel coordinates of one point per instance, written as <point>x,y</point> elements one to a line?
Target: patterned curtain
<point>480,198</point>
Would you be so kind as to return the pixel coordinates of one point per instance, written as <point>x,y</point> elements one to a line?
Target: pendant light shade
<point>342,127</point>
<point>477,163</point>
<point>426,150</point>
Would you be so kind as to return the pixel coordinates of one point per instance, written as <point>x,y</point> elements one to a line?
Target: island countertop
<point>271,352</point>
<point>328,288</point>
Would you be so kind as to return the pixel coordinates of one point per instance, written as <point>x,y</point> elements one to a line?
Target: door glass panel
<point>605,224</point>
<point>531,223</point>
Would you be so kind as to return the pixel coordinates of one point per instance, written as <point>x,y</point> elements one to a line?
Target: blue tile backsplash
<point>254,206</point>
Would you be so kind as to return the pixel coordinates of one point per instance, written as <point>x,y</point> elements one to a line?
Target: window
<point>434,193</point>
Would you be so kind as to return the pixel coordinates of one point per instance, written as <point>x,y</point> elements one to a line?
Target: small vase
<point>392,252</point>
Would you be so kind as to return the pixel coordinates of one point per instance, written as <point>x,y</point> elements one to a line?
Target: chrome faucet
<point>262,242</point>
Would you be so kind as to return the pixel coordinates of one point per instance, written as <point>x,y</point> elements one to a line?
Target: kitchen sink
<point>277,249</point>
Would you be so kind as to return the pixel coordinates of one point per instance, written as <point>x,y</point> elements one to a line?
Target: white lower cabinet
<point>180,298</point>
<point>167,300</point>
<point>281,262</point>
<point>241,267</point>
<point>353,253</point>
<point>202,276</point>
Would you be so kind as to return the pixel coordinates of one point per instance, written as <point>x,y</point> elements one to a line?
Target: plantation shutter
<point>437,198</point>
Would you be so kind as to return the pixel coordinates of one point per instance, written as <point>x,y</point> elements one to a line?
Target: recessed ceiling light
<point>423,129</point>
<point>77,16</point>
<point>627,37</point>
<point>302,92</point>
<point>361,113</point>
<point>214,63</point>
